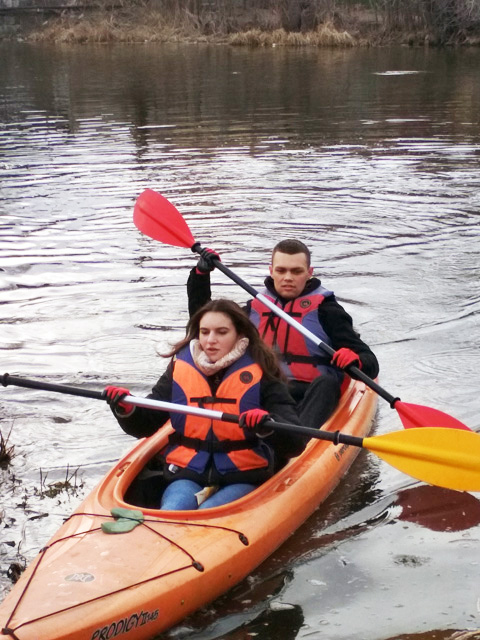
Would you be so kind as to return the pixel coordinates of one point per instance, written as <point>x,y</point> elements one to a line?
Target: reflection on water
<point>439,509</point>
<point>371,158</point>
<point>250,609</point>
<point>258,98</point>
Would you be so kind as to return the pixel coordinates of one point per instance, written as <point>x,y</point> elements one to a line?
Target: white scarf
<point>209,368</point>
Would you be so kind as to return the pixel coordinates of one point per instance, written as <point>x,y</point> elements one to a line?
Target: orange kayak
<point>89,583</point>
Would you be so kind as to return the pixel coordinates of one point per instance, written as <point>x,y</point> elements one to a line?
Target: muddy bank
<point>267,23</point>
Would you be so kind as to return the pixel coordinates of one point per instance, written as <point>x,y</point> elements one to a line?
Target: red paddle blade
<point>415,415</point>
<point>157,218</point>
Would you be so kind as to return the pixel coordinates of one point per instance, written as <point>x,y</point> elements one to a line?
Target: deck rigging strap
<point>211,446</point>
<point>11,631</point>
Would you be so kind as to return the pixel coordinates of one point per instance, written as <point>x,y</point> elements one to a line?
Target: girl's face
<point>217,335</point>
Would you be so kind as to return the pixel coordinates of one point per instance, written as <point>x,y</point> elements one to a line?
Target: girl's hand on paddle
<point>205,264</point>
<point>344,358</point>
<point>255,419</point>
<point>114,395</point>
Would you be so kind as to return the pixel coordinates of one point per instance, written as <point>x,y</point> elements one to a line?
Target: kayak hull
<point>90,585</point>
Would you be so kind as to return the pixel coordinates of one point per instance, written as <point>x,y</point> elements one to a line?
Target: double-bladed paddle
<point>442,457</point>
<point>158,218</point>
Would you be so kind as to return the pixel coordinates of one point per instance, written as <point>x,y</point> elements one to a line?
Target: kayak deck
<point>92,585</point>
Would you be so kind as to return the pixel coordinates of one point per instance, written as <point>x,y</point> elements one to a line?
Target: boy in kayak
<point>314,379</point>
<point>222,364</point>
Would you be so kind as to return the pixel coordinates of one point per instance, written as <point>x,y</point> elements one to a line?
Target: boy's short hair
<point>291,247</point>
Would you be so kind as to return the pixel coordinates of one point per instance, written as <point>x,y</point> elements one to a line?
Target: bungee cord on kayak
<point>146,522</point>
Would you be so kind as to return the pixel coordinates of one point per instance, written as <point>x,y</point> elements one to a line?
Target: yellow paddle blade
<point>444,457</point>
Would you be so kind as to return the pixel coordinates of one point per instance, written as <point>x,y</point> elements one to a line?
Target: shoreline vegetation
<point>267,23</point>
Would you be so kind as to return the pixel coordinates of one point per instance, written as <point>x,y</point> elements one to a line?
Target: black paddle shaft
<point>7,379</point>
<point>332,436</point>
<point>355,372</point>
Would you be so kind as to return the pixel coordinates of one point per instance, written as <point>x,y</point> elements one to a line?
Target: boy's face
<point>290,273</point>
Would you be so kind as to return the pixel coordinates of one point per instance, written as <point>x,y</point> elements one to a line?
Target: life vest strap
<point>293,314</point>
<point>313,360</point>
<point>201,401</point>
<point>211,446</point>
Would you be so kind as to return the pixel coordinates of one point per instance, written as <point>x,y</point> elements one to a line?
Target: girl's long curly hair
<point>261,353</point>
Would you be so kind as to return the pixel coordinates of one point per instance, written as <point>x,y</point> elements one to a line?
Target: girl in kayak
<point>223,365</point>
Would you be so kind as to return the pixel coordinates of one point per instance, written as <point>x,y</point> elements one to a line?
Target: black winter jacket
<point>335,320</point>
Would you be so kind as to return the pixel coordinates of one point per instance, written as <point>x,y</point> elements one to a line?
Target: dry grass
<point>142,25</point>
<point>6,450</point>
<point>326,35</point>
<point>334,25</point>
<point>70,485</point>
<point>152,27</point>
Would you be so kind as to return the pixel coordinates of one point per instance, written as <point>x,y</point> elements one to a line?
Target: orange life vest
<point>301,358</point>
<point>197,439</point>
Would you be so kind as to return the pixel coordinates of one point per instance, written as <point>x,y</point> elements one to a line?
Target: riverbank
<point>352,25</point>
<point>152,27</point>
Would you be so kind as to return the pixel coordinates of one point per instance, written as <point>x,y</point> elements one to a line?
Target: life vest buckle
<point>203,400</point>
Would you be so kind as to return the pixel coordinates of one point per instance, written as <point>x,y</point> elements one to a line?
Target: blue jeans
<point>180,495</point>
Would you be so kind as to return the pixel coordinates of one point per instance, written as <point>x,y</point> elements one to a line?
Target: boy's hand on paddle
<point>114,395</point>
<point>255,419</point>
<point>205,264</point>
<point>344,357</point>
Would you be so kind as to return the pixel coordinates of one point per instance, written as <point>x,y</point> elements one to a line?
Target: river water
<point>371,157</point>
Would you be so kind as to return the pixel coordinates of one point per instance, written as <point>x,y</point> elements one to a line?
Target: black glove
<point>205,264</point>
<point>254,420</point>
